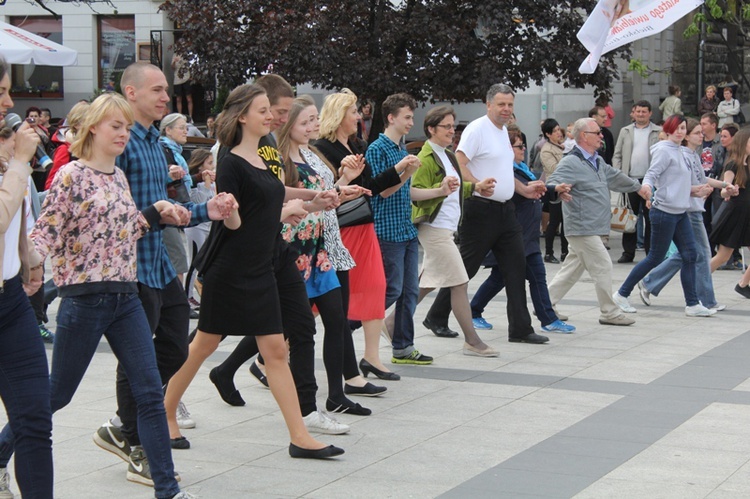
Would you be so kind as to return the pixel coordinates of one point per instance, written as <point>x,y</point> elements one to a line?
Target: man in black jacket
<point>608,142</point>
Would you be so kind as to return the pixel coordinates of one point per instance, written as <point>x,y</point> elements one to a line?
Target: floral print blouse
<point>89,226</point>
<point>307,236</point>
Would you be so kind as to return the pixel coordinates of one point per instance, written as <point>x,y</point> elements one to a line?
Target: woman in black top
<point>240,295</point>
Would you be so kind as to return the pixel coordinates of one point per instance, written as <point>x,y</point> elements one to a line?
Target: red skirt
<point>367,279</point>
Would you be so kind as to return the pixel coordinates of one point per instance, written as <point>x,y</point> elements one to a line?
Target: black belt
<point>486,200</point>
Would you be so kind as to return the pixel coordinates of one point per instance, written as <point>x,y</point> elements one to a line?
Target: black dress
<point>240,296</point>
<point>731,223</point>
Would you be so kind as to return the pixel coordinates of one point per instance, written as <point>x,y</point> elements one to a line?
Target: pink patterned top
<point>89,226</point>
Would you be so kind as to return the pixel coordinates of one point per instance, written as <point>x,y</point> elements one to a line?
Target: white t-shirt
<point>11,256</point>
<point>450,210</point>
<point>641,156</point>
<point>490,156</point>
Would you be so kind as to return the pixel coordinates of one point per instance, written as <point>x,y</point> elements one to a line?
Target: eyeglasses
<point>447,127</point>
<point>521,147</point>
<point>598,132</point>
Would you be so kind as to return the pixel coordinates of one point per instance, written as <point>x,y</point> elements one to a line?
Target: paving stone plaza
<point>660,409</point>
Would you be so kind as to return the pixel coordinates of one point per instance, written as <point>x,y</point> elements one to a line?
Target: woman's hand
<point>293,212</point>
<point>349,192</point>
<point>176,172</point>
<point>172,214</point>
<point>27,140</point>
<point>209,177</point>
<point>221,206</point>
<point>323,200</point>
<point>351,167</point>
<point>449,185</point>
<point>36,276</point>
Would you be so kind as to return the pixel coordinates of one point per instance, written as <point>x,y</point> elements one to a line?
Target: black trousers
<point>299,327</point>
<point>490,226</point>
<point>630,240</point>
<point>168,314</point>
<point>555,221</point>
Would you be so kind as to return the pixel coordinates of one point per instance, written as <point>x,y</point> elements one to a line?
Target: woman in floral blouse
<point>323,287</point>
<point>88,228</point>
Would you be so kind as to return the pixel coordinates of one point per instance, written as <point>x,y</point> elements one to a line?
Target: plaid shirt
<point>392,214</point>
<point>147,172</point>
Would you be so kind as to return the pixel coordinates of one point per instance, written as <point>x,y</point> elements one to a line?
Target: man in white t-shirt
<point>489,223</point>
<point>633,157</point>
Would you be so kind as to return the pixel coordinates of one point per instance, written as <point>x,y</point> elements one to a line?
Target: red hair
<point>673,122</point>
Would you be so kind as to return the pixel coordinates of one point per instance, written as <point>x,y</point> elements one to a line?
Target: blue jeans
<point>24,388</point>
<point>401,264</point>
<point>664,228</point>
<point>81,322</point>
<point>536,274</point>
<point>704,286</point>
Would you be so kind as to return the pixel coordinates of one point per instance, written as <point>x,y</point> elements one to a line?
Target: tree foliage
<point>432,49</point>
<point>43,4</point>
<point>718,14</point>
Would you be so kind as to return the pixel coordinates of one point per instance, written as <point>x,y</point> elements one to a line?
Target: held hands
<point>35,281</point>
<point>349,192</point>
<point>351,167</point>
<point>563,192</point>
<point>729,191</point>
<point>645,192</point>
<point>294,211</point>
<point>172,214</point>
<point>486,187</point>
<point>449,185</point>
<point>324,200</point>
<point>209,177</point>
<point>704,191</point>
<point>176,172</point>
<point>27,140</point>
<point>221,206</point>
<point>534,189</point>
<point>408,165</point>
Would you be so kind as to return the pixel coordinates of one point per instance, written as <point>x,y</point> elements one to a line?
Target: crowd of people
<point>298,211</point>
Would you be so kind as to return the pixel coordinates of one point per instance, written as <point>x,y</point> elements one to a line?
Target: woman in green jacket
<point>437,193</point>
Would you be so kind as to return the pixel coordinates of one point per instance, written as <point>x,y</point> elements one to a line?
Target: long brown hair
<point>737,154</point>
<point>228,129</point>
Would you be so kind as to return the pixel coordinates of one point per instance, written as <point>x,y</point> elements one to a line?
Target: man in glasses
<point>587,218</point>
<point>633,156</point>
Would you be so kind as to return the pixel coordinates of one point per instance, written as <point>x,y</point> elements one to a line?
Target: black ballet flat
<point>347,407</point>
<point>227,391</point>
<point>324,453</point>
<point>368,368</point>
<point>179,443</point>
<point>369,390</point>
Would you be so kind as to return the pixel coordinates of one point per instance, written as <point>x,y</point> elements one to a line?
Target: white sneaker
<point>321,422</point>
<point>645,294</point>
<point>5,492</point>
<point>184,419</point>
<point>699,311</point>
<point>719,307</point>
<point>623,303</point>
<point>185,495</point>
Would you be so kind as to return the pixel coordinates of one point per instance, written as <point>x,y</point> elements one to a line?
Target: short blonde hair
<point>103,106</point>
<point>333,112</point>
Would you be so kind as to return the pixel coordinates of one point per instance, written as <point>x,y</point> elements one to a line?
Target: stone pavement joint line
<point>573,459</point>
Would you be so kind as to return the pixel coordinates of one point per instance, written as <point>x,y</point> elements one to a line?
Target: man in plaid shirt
<point>163,297</point>
<point>394,228</point>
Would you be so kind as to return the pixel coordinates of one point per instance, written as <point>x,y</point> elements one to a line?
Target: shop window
<point>117,49</point>
<point>33,80</point>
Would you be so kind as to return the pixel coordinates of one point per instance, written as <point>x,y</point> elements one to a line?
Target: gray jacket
<point>624,146</point>
<point>589,212</point>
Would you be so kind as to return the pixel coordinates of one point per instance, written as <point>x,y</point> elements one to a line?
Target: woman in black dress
<point>240,295</point>
<point>731,224</point>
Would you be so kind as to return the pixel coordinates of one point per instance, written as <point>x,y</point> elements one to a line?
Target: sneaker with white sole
<point>184,420</point>
<point>320,422</point>
<point>623,303</point>
<point>644,293</point>
<point>719,307</point>
<point>110,438</point>
<point>185,495</point>
<point>699,311</point>
<point>5,492</point>
<point>559,327</point>
<point>139,470</point>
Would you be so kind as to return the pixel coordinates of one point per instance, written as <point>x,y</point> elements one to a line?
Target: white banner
<point>613,23</point>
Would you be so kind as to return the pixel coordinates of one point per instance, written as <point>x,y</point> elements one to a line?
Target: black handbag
<point>355,212</point>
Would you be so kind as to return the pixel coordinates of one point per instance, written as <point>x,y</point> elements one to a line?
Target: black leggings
<point>555,221</point>
<point>335,337</point>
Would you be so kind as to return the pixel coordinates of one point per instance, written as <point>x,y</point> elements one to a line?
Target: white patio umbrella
<point>19,46</point>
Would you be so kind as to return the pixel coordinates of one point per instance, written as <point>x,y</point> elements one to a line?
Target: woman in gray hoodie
<point>670,175</point>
